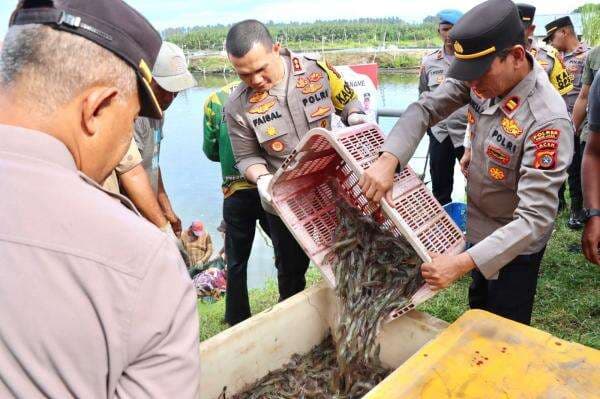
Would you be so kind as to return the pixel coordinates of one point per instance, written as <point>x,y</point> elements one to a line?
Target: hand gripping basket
<point>328,164</point>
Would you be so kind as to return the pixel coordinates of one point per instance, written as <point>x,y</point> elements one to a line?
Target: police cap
<point>111,24</point>
<point>526,12</point>
<point>555,25</point>
<point>481,34</point>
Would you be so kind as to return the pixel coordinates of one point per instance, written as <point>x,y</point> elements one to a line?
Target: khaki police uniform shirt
<point>95,301</point>
<point>433,72</point>
<point>131,159</point>
<point>574,62</point>
<point>521,148</point>
<point>265,127</point>
<point>552,63</point>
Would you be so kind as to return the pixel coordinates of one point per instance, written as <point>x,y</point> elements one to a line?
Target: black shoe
<point>575,221</point>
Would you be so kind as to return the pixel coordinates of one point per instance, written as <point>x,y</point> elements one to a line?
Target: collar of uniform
<point>124,200</point>
<point>582,48</point>
<point>35,144</point>
<point>280,89</point>
<point>441,54</point>
<point>511,103</point>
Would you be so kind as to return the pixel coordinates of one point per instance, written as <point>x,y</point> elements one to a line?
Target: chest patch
<point>504,142</point>
<point>498,155</point>
<point>263,108</point>
<point>258,97</point>
<point>511,127</point>
<point>496,173</point>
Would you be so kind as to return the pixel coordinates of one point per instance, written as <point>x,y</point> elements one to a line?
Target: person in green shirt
<point>241,206</point>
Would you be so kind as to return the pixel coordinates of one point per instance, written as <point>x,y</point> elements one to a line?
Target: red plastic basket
<point>328,164</point>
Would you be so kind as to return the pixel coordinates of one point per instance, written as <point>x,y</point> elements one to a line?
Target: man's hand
<point>262,184</point>
<point>175,222</point>
<point>590,240</point>
<point>356,119</point>
<point>378,179</point>
<point>465,162</point>
<point>443,270</point>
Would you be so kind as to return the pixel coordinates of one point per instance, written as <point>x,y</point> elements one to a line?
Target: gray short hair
<point>51,67</point>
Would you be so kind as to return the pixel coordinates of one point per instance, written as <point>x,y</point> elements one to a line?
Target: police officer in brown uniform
<point>446,138</point>
<point>95,301</point>
<point>522,143</point>
<point>282,96</point>
<point>560,33</point>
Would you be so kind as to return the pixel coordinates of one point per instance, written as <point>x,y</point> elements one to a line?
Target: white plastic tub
<point>245,353</point>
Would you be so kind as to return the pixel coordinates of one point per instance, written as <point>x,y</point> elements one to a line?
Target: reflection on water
<point>193,182</point>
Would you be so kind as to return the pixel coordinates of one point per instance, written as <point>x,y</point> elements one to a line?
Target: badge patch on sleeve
<point>545,159</point>
<point>498,155</point>
<point>545,134</point>
<point>263,108</point>
<point>547,145</point>
<point>497,173</point>
<point>277,146</point>
<point>511,127</point>
<point>258,97</point>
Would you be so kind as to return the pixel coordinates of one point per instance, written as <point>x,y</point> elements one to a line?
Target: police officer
<point>282,96</point>
<point>560,33</point>
<point>446,138</point>
<point>241,205</point>
<point>548,58</point>
<point>96,301</point>
<point>521,146</point>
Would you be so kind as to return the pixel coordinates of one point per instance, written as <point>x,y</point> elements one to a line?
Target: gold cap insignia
<point>458,48</point>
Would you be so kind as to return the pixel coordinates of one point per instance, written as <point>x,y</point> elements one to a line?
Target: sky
<point>174,13</point>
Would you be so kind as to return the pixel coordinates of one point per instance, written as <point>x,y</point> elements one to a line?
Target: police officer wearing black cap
<point>446,138</point>
<point>521,146</point>
<point>560,33</point>
<point>96,301</point>
<point>548,58</point>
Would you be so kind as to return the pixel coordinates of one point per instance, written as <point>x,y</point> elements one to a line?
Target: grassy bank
<point>393,60</point>
<point>567,303</point>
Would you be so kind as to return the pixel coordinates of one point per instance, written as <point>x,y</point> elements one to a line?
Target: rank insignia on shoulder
<point>320,111</point>
<point>312,88</point>
<point>301,83</point>
<point>497,173</point>
<point>263,108</point>
<point>277,146</point>
<point>498,155</point>
<point>258,97</point>
<point>511,127</point>
<point>545,134</point>
<point>315,77</point>
<point>272,131</point>
<point>470,117</point>
<point>545,159</point>
<point>511,104</point>
<point>323,124</point>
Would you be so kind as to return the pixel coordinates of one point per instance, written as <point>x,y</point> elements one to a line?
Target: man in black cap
<point>560,33</point>
<point>446,138</point>
<point>521,146</point>
<point>96,301</point>
<point>547,57</point>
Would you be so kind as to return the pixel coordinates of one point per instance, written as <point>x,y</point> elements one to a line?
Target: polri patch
<point>511,127</point>
<point>497,173</point>
<point>545,159</point>
<point>545,134</point>
<point>498,155</point>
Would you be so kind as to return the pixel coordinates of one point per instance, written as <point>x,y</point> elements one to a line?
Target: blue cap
<point>449,16</point>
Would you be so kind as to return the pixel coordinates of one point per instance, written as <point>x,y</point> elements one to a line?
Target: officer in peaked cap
<point>547,57</point>
<point>521,146</point>
<point>96,302</point>
<point>446,138</point>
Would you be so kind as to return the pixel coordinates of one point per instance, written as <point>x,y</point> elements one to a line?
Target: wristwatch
<point>590,213</point>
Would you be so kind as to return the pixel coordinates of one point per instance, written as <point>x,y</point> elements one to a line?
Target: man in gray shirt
<point>95,301</point>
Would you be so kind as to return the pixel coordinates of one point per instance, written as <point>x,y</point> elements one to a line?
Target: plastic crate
<point>328,164</point>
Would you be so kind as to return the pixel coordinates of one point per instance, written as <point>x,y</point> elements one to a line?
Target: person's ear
<point>518,53</point>
<point>276,48</point>
<point>96,103</point>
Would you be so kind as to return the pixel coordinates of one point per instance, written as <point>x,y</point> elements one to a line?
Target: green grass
<point>567,303</point>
